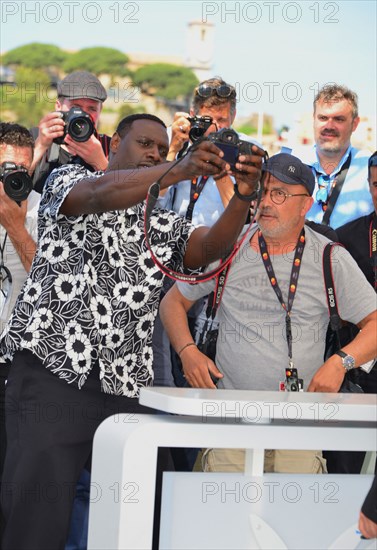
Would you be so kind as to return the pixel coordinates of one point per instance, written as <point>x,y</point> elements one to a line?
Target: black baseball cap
<point>291,170</point>
<point>82,84</point>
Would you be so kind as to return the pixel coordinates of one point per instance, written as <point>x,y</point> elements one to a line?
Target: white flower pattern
<point>93,290</point>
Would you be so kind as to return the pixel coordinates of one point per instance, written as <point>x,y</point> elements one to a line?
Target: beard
<point>336,146</point>
<point>279,230</point>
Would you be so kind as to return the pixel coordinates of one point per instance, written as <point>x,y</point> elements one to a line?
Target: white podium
<point>125,446</point>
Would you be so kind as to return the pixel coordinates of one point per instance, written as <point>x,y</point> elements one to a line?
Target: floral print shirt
<point>93,290</point>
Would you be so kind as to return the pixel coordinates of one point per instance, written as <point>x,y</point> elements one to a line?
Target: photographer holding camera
<point>18,218</point>
<point>274,314</point>
<point>18,232</point>
<point>213,109</point>
<point>201,200</point>
<point>68,135</point>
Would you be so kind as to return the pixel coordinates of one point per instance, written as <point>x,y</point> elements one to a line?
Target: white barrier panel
<point>276,511</point>
<point>125,446</point>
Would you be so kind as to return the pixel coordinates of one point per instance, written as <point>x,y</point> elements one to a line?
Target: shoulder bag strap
<point>336,190</point>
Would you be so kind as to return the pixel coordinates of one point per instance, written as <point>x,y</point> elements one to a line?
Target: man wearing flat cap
<point>84,91</point>
<point>273,313</point>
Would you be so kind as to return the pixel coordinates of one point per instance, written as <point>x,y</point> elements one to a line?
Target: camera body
<point>199,126</point>
<point>229,142</point>
<point>78,124</point>
<point>16,181</point>
<point>292,381</point>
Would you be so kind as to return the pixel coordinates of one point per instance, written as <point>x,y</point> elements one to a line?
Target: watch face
<point>349,362</point>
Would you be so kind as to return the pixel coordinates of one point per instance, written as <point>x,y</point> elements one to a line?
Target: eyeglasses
<point>224,90</point>
<point>279,197</point>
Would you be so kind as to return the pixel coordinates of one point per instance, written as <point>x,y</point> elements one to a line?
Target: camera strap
<point>335,320</point>
<point>335,190</point>
<point>5,275</point>
<point>196,187</point>
<point>214,300</point>
<point>2,248</point>
<point>152,197</point>
<point>299,250</point>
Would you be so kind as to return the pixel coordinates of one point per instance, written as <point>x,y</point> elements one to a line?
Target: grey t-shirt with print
<point>252,350</point>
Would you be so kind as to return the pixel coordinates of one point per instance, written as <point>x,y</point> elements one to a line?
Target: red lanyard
<point>292,284</point>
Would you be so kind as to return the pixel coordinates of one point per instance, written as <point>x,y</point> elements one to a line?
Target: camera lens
<point>17,185</point>
<point>196,132</point>
<point>80,129</point>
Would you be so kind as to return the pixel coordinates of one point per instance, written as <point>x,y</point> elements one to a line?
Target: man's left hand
<point>329,376</point>
<point>90,151</point>
<point>367,527</point>
<point>249,171</point>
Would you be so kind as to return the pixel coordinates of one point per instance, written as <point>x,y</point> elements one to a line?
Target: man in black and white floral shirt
<point>80,335</point>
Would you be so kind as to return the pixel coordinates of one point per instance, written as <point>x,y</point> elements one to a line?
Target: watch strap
<point>348,366</point>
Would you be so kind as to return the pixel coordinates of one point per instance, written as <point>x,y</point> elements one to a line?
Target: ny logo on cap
<point>291,169</point>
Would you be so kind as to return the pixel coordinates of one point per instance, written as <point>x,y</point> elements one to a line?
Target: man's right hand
<point>205,159</point>
<point>50,127</point>
<point>197,368</point>
<point>179,134</point>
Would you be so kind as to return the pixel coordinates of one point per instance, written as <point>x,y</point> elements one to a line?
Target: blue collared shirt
<point>354,199</point>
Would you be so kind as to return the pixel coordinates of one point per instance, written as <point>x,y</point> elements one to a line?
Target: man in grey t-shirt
<point>253,348</point>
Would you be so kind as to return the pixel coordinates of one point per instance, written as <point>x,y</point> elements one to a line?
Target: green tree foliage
<point>250,130</point>
<point>128,109</point>
<point>163,79</point>
<point>35,56</point>
<point>30,98</point>
<point>98,60</point>
<point>247,129</point>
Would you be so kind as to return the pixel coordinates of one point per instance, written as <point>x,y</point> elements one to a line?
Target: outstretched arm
<point>208,244</point>
<point>120,189</point>
<point>196,366</point>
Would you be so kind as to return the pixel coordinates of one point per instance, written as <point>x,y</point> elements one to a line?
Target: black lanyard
<point>197,186</point>
<point>373,247</point>
<point>336,187</point>
<point>2,248</point>
<point>292,283</point>
<point>5,274</point>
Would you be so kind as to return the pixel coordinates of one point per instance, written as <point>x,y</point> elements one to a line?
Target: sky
<point>277,54</point>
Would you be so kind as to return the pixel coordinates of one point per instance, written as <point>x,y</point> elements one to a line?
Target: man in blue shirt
<point>204,201</point>
<point>334,159</point>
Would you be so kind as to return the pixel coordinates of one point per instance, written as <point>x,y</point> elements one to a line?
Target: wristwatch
<point>348,361</point>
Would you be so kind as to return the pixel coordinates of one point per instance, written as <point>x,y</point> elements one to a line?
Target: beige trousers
<point>279,461</point>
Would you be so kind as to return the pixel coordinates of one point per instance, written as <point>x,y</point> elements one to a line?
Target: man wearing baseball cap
<point>84,91</point>
<point>273,313</point>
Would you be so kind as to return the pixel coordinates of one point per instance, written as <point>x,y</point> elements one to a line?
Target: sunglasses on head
<point>224,90</point>
<point>322,193</point>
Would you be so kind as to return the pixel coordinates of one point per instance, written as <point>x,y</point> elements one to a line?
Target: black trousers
<point>50,427</point>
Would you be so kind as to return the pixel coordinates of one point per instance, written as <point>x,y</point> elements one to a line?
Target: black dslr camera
<point>228,141</point>
<point>199,126</point>
<point>16,180</point>
<point>292,381</point>
<point>78,124</point>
